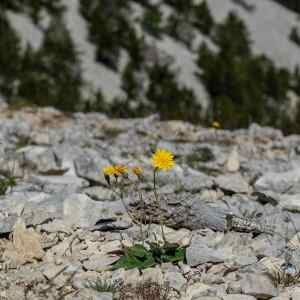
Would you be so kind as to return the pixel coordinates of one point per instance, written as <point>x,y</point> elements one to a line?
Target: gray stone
<point>55,184</point>
<point>199,252</point>
<point>82,279</point>
<point>259,286</point>
<point>206,298</point>
<point>197,290</point>
<point>290,203</point>
<point>81,210</point>
<point>128,277</point>
<point>100,262</point>
<point>86,293</point>
<point>43,159</point>
<point>278,182</point>
<point>89,166</point>
<point>194,181</point>
<point>100,193</point>
<point>233,183</point>
<point>153,275</point>
<point>238,297</point>
<point>40,137</point>
<point>295,293</point>
<point>175,280</point>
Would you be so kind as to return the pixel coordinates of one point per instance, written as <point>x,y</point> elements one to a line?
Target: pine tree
<point>294,36</point>
<point>233,37</point>
<point>181,6</point>
<point>152,21</point>
<point>291,4</point>
<point>109,28</point>
<point>172,101</point>
<point>243,87</point>
<point>203,19</point>
<point>52,75</point>
<point>10,57</point>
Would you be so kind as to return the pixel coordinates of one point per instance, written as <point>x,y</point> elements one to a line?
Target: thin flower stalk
<point>158,205</point>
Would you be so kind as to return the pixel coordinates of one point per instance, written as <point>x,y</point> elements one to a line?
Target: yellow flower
<point>120,170</point>
<point>110,170</point>
<point>162,160</point>
<point>216,125</point>
<point>137,171</point>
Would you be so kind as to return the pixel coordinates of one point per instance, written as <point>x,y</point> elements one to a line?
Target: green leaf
<point>135,257</point>
<point>137,251</point>
<point>139,257</point>
<point>174,255</point>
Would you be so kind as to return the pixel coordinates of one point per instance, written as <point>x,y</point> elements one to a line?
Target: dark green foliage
<point>135,46</point>
<point>232,37</point>
<point>151,21</point>
<point>109,28</point>
<point>135,257</point>
<point>51,75</point>
<point>171,100</point>
<point>130,82</point>
<point>163,95</point>
<point>179,29</point>
<point>203,19</point>
<point>296,88</point>
<point>296,81</point>
<point>167,253</point>
<point>173,23</point>
<point>96,103</point>
<point>145,3</point>
<point>294,36</point>
<point>138,256</point>
<point>290,4</point>
<point>244,88</point>
<point>33,7</point>
<point>10,57</point>
<point>181,6</point>
<point>7,183</point>
<point>197,15</point>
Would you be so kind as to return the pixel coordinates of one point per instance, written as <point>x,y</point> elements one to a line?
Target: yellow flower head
<point>162,160</point>
<point>216,125</point>
<point>120,170</point>
<point>137,171</point>
<point>109,170</point>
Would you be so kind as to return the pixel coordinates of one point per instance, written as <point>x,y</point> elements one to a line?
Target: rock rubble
<point>61,226</point>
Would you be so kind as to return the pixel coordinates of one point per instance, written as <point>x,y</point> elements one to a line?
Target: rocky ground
<point>231,200</point>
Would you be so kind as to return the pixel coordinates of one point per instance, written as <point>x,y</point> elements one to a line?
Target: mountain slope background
<point>234,61</point>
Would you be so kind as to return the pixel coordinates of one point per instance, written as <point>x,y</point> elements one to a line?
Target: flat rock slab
<point>278,182</point>
<point>72,209</point>
<point>234,183</point>
<point>259,286</point>
<point>199,252</point>
<point>238,297</point>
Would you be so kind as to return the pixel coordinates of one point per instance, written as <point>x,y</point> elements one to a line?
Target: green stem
<point>141,218</point>
<point>159,206</point>
<point>121,195</point>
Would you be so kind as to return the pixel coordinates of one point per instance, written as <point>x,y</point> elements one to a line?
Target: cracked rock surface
<point>232,200</point>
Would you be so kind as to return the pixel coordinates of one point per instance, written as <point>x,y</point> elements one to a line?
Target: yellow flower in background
<point>120,170</point>
<point>137,171</point>
<point>162,160</point>
<point>109,170</point>
<point>216,125</point>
